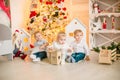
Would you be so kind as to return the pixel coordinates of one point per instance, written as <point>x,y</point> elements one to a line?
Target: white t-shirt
<point>63,47</point>
<point>80,47</point>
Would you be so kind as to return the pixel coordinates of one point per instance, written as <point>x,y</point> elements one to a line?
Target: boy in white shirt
<point>80,48</point>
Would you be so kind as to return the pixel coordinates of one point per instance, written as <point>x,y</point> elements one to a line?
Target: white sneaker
<point>33,56</point>
<point>62,62</point>
<point>36,60</point>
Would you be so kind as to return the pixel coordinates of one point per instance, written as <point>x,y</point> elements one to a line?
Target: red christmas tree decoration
<point>32,14</point>
<point>64,9</point>
<point>45,19</point>
<point>41,1</point>
<point>62,0</point>
<point>65,17</point>
<point>28,28</point>
<point>47,2</point>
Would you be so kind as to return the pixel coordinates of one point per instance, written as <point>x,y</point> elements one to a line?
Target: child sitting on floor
<point>60,44</point>
<point>38,52</point>
<point>80,48</point>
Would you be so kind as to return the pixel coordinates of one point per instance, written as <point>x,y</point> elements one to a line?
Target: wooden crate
<point>107,56</point>
<point>54,56</point>
<point>118,56</point>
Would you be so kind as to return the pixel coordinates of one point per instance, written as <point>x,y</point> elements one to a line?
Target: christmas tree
<point>47,16</point>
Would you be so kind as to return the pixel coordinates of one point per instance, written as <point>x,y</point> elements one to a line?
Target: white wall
<point>18,10</point>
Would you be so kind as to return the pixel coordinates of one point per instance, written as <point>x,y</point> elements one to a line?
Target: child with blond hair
<point>80,48</point>
<point>39,51</point>
<point>60,44</point>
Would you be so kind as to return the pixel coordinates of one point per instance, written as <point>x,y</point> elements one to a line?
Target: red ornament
<point>65,17</point>
<point>59,1</point>
<point>28,28</point>
<point>45,19</point>
<point>59,8</point>
<point>62,0</point>
<point>64,9</point>
<point>47,2</point>
<point>32,14</point>
<point>50,2</point>
<point>41,1</point>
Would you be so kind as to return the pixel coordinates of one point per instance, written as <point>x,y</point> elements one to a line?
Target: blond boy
<point>80,48</point>
<point>60,44</point>
<point>39,51</point>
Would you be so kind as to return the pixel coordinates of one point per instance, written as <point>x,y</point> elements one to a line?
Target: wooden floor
<point>20,70</point>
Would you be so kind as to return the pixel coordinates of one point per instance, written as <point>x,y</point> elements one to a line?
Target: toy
<point>104,26</point>
<point>54,56</point>
<point>113,23</point>
<point>96,7</point>
<point>98,25</point>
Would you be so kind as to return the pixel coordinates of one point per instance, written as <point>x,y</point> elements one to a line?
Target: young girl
<point>38,52</point>
<point>60,44</point>
<point>80,48</point>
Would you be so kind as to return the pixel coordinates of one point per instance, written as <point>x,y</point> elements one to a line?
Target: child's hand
<point>87,58</point>
<point>42,47</point>
<point>69,51</point>
<point>49,48</point>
